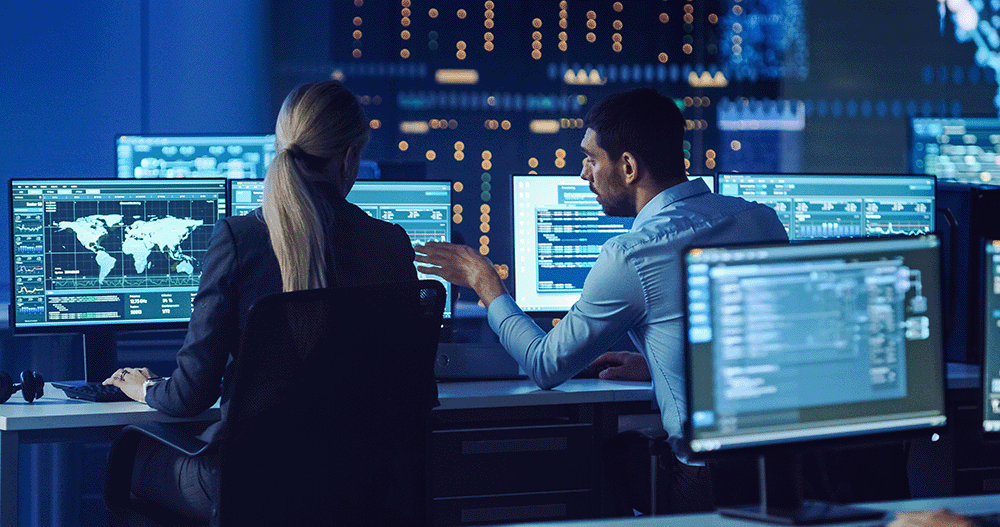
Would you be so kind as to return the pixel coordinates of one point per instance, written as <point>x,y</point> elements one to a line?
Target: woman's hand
<point>130,381</point>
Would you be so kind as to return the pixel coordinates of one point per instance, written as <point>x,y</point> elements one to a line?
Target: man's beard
<point>619,204</point>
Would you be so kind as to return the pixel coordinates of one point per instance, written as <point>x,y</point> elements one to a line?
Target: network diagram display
<point>195,156</point>
<point>957,149</point>
<point>421,208</point>
<point>811,341</point>
<point>558,231</point>
<point>93,252</point>
<point>991,353</point>
<point>819,206</point>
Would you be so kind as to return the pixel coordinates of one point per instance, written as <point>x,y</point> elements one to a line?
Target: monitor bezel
<point>103,327</point>
<point>820,442</point>
<point>173,135</point>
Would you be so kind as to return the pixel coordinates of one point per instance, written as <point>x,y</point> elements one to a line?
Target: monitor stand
<point>100,353</point>
<point>781,498</point>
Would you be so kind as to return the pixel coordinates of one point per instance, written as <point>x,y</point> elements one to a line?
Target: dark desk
<point>56,418</point>
<point>485,420</point>
<point>508,451</point>
<point>965,504</point>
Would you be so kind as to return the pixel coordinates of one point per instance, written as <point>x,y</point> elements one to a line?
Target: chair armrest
<point>121,458</point>
<point>171,436</point>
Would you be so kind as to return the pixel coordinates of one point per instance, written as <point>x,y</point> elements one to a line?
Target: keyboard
<point>94,391</point>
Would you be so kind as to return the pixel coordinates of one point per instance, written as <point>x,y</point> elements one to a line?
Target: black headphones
<point>32,386</point>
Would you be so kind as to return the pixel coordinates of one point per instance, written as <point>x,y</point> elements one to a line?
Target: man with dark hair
<point>645,123</point>
<point>635,165</point>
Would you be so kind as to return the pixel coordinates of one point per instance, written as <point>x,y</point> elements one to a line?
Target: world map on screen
<point>139,239</point>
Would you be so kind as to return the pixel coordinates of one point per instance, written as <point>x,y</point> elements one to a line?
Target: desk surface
<point>56,411</point>
<point>495,394</point>
<point>963,504</point>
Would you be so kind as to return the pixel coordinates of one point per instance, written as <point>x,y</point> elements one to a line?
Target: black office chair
<point>329,414</point>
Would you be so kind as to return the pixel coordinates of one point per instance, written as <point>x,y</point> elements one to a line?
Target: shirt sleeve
<point>195,384</point>
<point>611,303</point>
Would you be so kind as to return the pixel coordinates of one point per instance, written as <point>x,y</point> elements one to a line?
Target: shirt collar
<point>668,197</point>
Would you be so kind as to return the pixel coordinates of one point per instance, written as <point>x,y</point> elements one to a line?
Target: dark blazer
<point>239,268</point>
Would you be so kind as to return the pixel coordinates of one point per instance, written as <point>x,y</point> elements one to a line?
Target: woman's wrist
<point>149,383</point>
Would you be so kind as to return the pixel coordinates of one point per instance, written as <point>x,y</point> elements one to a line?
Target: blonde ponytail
<point>317,125</point>
<point>294,227</point>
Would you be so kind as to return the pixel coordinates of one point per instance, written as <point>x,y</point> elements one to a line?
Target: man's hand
<point>621,366</point>
<point>462,266</point>
<point>939,518</point>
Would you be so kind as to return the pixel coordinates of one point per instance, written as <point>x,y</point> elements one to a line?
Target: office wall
<point>71,79</point>
<point>75,74</point>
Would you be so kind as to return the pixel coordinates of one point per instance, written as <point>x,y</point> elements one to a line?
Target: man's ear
<point>630,168</point>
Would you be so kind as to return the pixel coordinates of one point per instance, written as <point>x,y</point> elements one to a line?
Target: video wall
<point>476,91</point>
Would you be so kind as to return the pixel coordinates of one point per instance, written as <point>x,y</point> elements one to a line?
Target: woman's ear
<point>351,163</point>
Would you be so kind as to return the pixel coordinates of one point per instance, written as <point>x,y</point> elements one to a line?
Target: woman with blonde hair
<point>305,236</point>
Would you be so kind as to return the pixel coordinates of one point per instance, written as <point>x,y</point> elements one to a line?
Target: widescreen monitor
<point>963,149</point>
<point>790,345</point>
<point>797,341</point>
<point>558,231</point>
<point>991,353</point>
<point>421,208</point>
<point>97,256</point>
<point>231,156</point>
<point>821,206</point>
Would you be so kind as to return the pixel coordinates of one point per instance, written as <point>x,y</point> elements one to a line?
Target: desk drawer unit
<point>476,462</point>
<point>512,473</point>
<point>538,506</point>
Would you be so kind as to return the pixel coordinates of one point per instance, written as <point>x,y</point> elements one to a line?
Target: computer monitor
<point>421,208</point>
<point>235,156</point>
<point>963,149</point>
<point>820,206</point>
<point>101,256</point>
<point>991,340</point>
<point>558,232</point>
<point>244,196</point>
<point>799,345</point>
<point>966,214</point>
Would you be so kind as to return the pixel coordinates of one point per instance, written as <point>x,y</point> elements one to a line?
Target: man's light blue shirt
<point>635,288</point>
